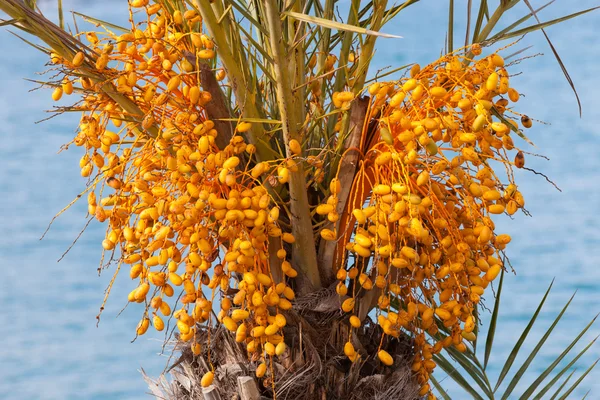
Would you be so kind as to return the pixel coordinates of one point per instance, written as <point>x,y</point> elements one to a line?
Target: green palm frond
<point>471,374</point>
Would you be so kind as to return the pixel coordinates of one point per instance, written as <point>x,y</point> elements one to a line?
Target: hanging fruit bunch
<point>183,215</point>
<point>418,229</point>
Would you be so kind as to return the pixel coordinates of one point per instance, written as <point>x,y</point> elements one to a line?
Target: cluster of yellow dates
<point>173,200</point>
<point>420,226</point>
<point>187,217</point>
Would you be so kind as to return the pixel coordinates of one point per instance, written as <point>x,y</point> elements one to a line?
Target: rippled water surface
<point>51,346</point>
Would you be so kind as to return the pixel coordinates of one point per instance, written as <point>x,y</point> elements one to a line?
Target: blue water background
<point>51,346</point>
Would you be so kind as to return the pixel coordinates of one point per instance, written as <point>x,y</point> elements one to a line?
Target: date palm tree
<point>305,229</point>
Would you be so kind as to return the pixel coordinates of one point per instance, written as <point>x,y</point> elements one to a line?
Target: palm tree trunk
<point>313,366</point>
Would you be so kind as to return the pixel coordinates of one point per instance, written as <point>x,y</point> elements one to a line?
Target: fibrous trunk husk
<point>313,366</point>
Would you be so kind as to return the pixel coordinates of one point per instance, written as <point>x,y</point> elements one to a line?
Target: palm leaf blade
<point>507,34</point>
<point>101,22</point>
<point>489,341</point>
<point>529,392</point>
<point>557,57</point>
<point>472,370</point>
<point>518,22</point>
<point>479,21</point>
<point>440,389</point>
<point>326,23</point>
<point>560,388</point>
<point>578,381</point>
<point>61,17</point>
<point>513,383</point>
<point>549,386</point>
<point>451,26</point>
<point>513,354</point>
<point>456,376</point>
